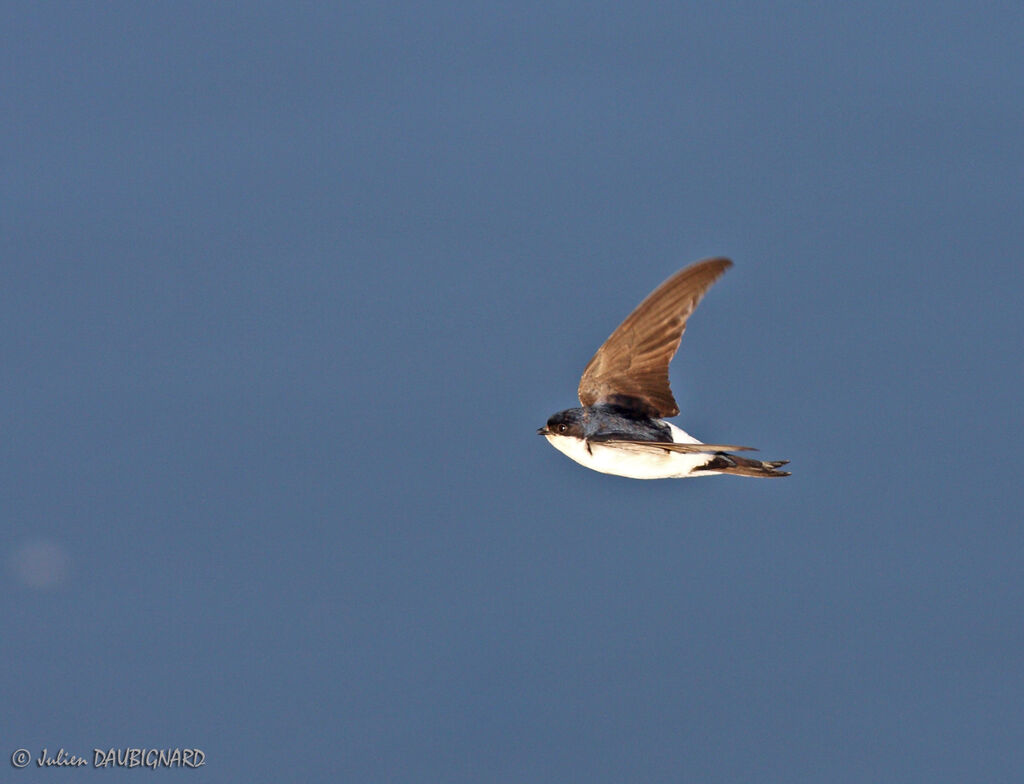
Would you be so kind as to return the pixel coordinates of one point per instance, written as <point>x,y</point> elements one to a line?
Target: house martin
<point>620,428</point>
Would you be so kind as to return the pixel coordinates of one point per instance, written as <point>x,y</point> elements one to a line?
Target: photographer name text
<point>112,758</point>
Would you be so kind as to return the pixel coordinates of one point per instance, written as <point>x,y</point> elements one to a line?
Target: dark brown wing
<point>669,446</point>
<point>631,368</point>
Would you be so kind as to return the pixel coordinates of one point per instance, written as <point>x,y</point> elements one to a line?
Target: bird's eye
<point>563,428</point>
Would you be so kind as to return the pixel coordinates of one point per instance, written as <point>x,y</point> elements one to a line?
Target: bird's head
<point>564,423</point>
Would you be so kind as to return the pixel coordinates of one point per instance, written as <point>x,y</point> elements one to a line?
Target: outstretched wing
<point>631,367</point>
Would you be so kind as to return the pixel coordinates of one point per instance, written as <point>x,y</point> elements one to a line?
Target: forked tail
<point>743,466</point>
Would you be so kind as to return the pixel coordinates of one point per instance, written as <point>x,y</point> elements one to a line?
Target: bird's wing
<point>631,367</point>
<point>669,446</point>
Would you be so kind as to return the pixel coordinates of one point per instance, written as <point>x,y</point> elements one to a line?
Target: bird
<point>621,426</point>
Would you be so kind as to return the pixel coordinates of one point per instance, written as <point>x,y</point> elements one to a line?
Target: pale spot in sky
<point>40,563</point>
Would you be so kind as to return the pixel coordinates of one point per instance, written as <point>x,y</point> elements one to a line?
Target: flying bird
<point>620,428</point>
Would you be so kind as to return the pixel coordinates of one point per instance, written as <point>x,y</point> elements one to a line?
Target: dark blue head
<point>565,423</point>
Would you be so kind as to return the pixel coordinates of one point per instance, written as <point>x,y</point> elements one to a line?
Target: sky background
<point>286,291</point>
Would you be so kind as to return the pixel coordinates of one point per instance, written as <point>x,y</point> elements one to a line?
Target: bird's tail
<point>742,466</point>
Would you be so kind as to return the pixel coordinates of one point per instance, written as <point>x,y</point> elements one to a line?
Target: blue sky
<point>285,293</point>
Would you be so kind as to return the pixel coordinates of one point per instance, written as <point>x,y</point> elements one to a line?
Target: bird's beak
<point>543,431</point>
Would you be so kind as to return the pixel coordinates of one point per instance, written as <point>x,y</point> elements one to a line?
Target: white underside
<point>635,464</point>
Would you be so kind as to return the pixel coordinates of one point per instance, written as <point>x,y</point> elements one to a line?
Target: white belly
<point>635,464</point>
